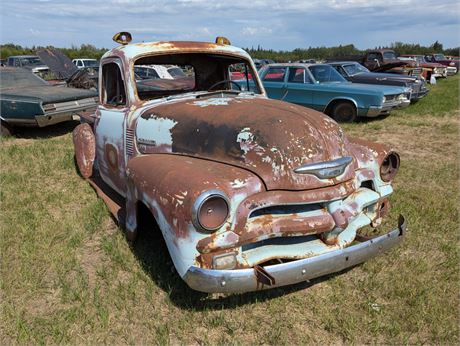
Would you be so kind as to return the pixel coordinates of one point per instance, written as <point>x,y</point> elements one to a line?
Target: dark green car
<point>27,100</point>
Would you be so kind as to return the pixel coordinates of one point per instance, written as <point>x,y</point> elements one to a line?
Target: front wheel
<point>5,129</point>
<point>344,112</point>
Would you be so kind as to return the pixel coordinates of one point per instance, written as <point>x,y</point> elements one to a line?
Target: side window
<point>113,87</point>
<point>79,63</point>
<point>298,75</point>
<point>341,70</point>
<point>373,56</point>
<point>275,74</point>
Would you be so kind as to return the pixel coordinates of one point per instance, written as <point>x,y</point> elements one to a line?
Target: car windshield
<point>419,59</point>
<point>91,63</point>
<point>31,61</point>
<point>354,69</point>
<point>389,55</point>
<point>325,74</point>
<point>439,57</point>
<point>176,72</point>
<point>165,75</point>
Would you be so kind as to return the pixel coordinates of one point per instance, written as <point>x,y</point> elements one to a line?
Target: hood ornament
<point>327,169</point>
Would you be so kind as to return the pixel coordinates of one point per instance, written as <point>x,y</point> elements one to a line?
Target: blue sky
<point>272,24</point>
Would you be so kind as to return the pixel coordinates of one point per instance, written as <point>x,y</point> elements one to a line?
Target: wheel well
<point>145,220</point>
<point>330,107</point>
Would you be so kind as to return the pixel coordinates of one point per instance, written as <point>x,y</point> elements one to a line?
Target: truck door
<point>274,82</point>
<point>110,126</point>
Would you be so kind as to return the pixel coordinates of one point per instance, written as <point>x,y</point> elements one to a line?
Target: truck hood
<point>267,137</point>
<point>392,64</point>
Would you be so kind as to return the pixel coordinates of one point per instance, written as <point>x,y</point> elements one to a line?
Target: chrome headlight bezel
<point>201,202</point>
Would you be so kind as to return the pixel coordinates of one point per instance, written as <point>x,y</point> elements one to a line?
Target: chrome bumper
<point>420,94</point>
<point>245,280</point>
<point>375,111</point>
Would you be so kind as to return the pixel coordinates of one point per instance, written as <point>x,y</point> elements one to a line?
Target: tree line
<point>345,50</point>
<point>90,51</point>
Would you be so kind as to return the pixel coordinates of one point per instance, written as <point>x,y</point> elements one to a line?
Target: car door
<point>110,126</point>
<point>298,87</point>
<point>274,82</point>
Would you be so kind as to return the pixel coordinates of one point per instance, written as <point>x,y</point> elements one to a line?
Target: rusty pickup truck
<point>383,60</point>
<point>248,192</point>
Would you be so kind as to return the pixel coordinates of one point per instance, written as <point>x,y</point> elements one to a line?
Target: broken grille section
<point>286,209</point>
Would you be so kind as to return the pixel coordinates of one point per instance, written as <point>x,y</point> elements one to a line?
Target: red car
<point>429,68</point>
<point>452,65</point>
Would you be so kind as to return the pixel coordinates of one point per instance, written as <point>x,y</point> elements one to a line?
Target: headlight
<point>210,210</point>
<point>402,97</point>
<point>389,167</point>
<point>436,70</point>
<point>384,99</point>
<point>452,64</point>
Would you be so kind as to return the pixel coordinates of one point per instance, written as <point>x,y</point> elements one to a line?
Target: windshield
<point>165,75</point>
<point>419,59</point>
<point>176,72</point>
<point>325,74</point>
<point>354,69</point>
<point>389,55</point>
<point>31,61</point>
<point>91,63</point>
<point>439,57</point>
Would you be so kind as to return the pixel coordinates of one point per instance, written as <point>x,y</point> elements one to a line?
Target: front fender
<point>169,185</point>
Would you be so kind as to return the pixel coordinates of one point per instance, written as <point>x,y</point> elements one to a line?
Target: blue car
<point>321,87</point>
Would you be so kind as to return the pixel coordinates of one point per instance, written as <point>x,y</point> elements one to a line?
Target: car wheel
<point>344,112</point>
<point>5,129</point>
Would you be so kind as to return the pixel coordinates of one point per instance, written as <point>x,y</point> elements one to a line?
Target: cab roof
<point>136,50</point>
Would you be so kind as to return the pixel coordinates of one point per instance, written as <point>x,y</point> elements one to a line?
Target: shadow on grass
<point>45,132</point>
<point>152,254</point>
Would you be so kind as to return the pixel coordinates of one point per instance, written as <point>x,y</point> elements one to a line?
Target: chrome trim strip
<point>338,166</point>
<point>244,280</point>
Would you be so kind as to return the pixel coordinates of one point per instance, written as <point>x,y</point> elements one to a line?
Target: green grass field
<point>69,276</point>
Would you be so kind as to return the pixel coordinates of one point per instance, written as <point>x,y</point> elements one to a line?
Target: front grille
<point>279,241</point>
<point>288,209</point>
<point>129,142</point>
<point>416,71</point>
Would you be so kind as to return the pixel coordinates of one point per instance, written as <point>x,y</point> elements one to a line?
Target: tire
<point>344,112</point>
<point>5,129</point>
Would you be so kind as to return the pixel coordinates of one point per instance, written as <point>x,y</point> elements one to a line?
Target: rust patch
<point>111,156</point>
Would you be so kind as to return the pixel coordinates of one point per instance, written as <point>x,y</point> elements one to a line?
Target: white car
<point>82,63</point>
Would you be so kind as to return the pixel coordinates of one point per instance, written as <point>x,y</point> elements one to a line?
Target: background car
<point>321,87</point>
<point>27,100</point>
<point>452,65</point>
<point>82,63</point>
<point>357,73</point>
<point>429,68</point>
